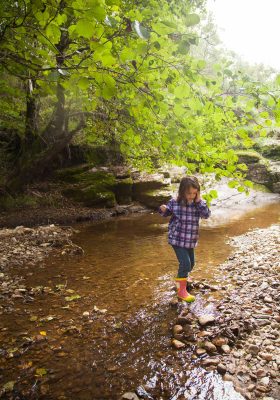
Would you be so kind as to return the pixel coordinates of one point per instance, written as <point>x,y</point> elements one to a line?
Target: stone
<point>262,388</point>
<point>177,329</point>
<point>221,368</point>
<point>209,347</point>
<point>178,344</point>
<point>228,378</point>
<point>206,319</point>
<point>220,341</point>
<point>253,349</point>
<point>129,396</point>
<point>265,380</point>
<point>261,373</point>
<point>225,349</point>
<point>210,361</point>
<point>200,351</point>
<point>266,356</point>
<point>251,387</point>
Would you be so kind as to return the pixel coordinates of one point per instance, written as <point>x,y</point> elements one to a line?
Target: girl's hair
<point>186,183</point>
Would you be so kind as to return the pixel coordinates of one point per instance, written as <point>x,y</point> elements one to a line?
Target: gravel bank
<point>240,337</point>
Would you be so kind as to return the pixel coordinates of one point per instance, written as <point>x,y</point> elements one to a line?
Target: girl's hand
<point>197,197</point>
<point>163,207</point>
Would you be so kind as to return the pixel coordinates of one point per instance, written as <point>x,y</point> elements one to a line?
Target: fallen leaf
<point>41,372</point>
<point>74,297</point>
<point>9,386</point>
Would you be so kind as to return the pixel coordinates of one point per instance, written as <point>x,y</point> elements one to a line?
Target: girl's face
<point>191,194</point>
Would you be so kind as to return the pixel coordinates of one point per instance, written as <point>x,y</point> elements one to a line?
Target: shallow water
<point>127,269</point>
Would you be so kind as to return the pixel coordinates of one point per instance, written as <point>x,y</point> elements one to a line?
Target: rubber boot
<point>182,291</point>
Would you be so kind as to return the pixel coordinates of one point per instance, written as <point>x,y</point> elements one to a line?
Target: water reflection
<point>128,269</point>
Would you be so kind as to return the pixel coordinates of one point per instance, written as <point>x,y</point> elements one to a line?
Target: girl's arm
<point>166,210</point>
<point>204,211</point>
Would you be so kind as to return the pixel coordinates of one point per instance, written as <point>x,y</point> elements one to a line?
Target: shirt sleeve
<point>169,209</point>
<point>204,211</point>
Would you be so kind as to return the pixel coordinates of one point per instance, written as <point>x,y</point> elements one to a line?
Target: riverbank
<point>23,247</point>
<point>57,313</point>
<point>240,337</point>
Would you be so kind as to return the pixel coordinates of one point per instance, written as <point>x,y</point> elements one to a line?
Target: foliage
<point>122,72</point>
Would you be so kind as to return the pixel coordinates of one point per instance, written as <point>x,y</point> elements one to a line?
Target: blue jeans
<point>186,260</point>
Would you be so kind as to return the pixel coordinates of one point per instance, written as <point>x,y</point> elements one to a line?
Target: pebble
<point>210,361</point>
<point>221,368</point>
<point>206,319</point>
<point>177,329</point>
<point>178,344</point>
<point>226,349</point>
<point>130,396</point>
<point>209,347</point>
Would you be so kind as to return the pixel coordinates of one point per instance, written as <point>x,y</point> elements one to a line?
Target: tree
<point>77,63</point>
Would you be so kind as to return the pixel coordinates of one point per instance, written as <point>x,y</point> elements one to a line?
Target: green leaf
<point>184,47</point>
<point>83,83</point>
<point>71,298</point>
<point>141,31</point>
<point>53,33</point>
<point>165,27</point>
<point>110,21</point>
<point>233,184</point>
<point>182,91</point>
<point>213,194</point>
<point>98,13</point>
<point>192,19</point>
<point>277,80</point>
<point>85,28</point>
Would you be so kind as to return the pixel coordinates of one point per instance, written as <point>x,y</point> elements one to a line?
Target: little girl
<point>183,226</point>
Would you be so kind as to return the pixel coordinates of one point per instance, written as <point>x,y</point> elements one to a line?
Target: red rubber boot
<point>182,291</point>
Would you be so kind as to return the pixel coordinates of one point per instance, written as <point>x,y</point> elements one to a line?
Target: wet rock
<point>262,388</point>
<point>266,356</point>
<point>210,361</point>
<point>178,344</point>
<point>265,380</point>
<point>129,396</point>
<point>253,349</point>
<point>206,319</point>
<point>200,351</point>
<point>225,349</point>
<point>177,329</point>
<point>220,341</point>
<point>261,373</point>
<point>221,368</point>
<point>228,378</point>
<point>209,347</point>
<point>251,387</point>
<point>185,319</point>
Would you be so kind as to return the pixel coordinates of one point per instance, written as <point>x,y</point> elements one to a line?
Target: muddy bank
<point>26,247</point>
<point>239,335</point>
<point>64,215</point>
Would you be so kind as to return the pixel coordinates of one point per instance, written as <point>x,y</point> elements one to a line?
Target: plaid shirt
<point>184,223</point>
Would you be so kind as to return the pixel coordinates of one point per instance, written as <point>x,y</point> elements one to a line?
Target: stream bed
<point>103,320</point>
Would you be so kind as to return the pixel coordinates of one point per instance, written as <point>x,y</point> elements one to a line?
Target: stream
<point>115,337</point>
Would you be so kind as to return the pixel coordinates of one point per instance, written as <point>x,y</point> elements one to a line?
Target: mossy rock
<point>272,151</point>
<point>91,188</point>
<point>248,157</point>
<point>71,175</point>
<point>91,196</point>
<point>150,182</point>
<point>123,190</point>
<point>154,198</point>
